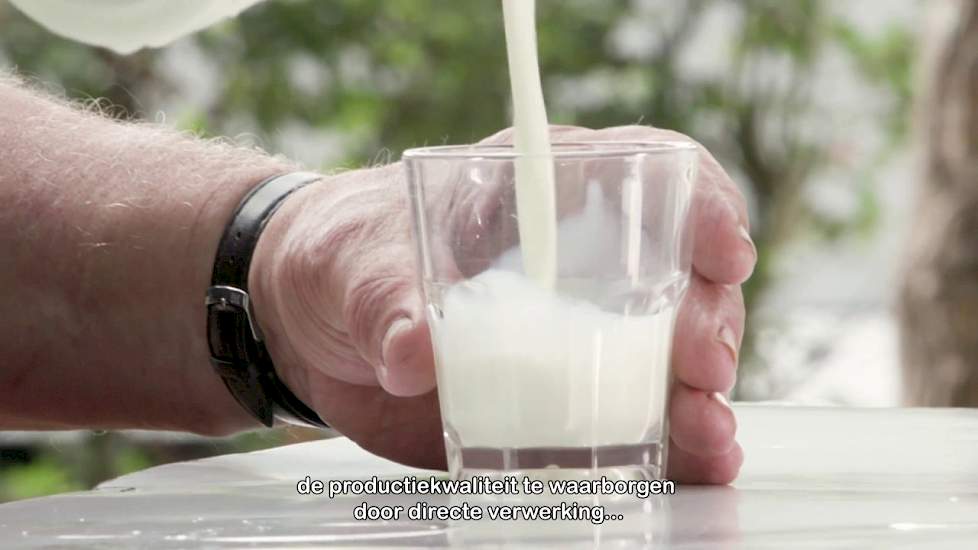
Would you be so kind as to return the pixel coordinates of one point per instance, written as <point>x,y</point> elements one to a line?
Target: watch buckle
<point>232,297</point>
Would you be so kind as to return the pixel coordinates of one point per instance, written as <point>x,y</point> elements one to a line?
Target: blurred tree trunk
<point>939,299</point>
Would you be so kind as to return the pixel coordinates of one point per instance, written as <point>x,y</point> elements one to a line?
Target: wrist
<point>269,274</point>
<point>216,411</point>
<point>239,352</point>
<point>301,273</point>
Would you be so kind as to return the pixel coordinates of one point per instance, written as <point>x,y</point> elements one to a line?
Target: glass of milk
<point>552,312</point>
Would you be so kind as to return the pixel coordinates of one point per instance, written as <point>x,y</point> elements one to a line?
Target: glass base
<point>636,461</point>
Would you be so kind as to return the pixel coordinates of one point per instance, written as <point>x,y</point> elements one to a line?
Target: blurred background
<point>842,130</point>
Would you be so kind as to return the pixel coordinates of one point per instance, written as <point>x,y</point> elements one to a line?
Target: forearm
<point>108,233</point>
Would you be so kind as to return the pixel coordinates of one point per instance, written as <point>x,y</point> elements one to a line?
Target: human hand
<point>336,294</point>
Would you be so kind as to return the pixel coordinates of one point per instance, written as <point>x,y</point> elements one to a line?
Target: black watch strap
<point>238,352</point>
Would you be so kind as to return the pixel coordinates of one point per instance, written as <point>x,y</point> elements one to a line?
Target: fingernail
<point>745,235</point>
<point>396,327</point>
<point>722,399</point>
<point>728,339</point>
<point>381,372</point>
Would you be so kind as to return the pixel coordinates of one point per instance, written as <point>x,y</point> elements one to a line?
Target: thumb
<point>384,314</point>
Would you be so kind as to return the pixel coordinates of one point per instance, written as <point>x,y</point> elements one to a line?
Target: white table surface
<point>813,478</point>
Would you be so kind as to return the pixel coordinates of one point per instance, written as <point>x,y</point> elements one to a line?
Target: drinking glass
<point>569,370</point>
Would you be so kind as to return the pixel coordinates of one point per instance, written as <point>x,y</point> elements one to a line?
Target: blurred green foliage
<point>43,476</point>
<point>387,75</point>
<point>885,62</point>
<point>45,465</point>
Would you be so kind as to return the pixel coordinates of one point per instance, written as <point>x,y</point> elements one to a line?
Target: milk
<point>521,366</point>
<point>573,365</point>
<point>534,170</point>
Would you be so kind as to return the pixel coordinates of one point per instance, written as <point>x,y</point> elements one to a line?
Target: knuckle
<point>729,306</point>
<point>499,138</point>
<point>717,301</point>
<point>731,298</point>
<point>641,131</point>
<point>565,132</point>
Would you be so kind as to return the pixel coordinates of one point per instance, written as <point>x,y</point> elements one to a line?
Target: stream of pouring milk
<point>534,169</point>
<point>521,363</point>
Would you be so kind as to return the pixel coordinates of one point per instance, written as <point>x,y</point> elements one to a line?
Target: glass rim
<point>566,149</point>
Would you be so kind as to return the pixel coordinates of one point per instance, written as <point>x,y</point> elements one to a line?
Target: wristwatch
<point>237,348</point>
